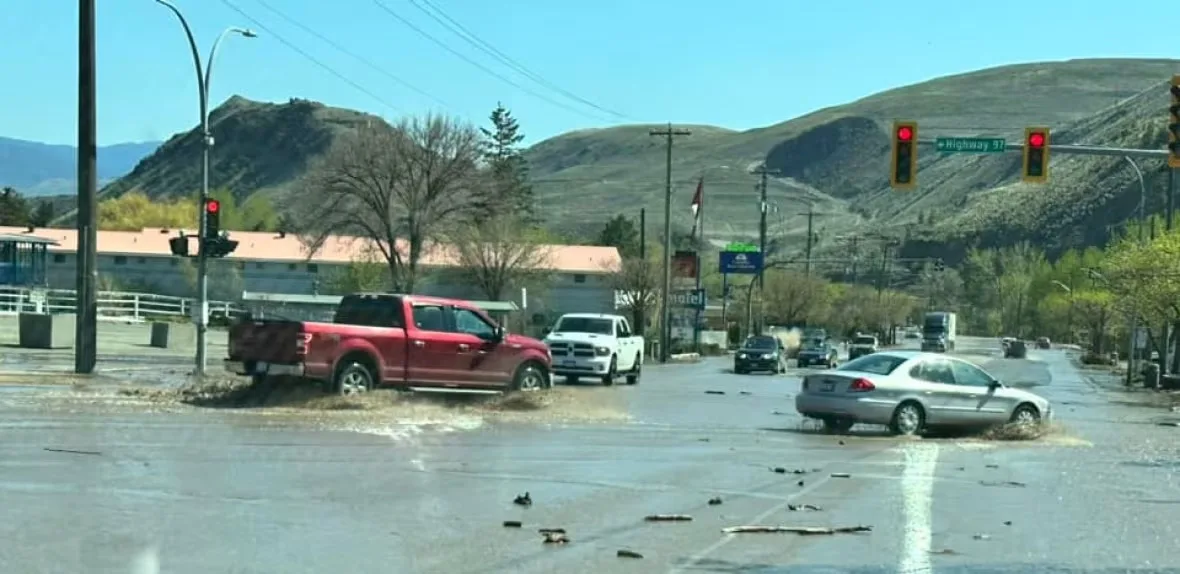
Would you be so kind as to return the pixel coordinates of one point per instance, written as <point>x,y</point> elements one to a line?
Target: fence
<point>132,307</point>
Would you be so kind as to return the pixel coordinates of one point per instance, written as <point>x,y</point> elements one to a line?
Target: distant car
<point>817,352</point>
<point>760,353</point>
<point>1015,349</point>
<point>862,345</point>
<point>913,334</point>
<point>911,391</point>
<point>1044,343</point>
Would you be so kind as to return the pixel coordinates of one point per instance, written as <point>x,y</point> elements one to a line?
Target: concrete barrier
<point>172,335</point>
<point>46,331</point>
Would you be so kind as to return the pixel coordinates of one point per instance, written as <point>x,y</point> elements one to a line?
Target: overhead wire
<point>445,20</point>
<point>478,65</point>
<point>354,55</point>
<point>309,57</point>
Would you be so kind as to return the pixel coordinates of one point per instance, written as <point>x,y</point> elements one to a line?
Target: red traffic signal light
<point>213,206</point>
<point>905,133</point>
<point>903,164</point>
<point>1036,139</point>
<point>1035,164</point>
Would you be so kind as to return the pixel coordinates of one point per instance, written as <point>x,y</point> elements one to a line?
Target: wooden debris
<point>512,524</point>
<point>779,470</point>
<point>551,530</point>
<point>523,500</point>
<point>798,507</point>
<point>714,392</point>
<point>668,518</point>
<point>840,475</point>
<point>628,554</point>
<point>1011,483</point>
<point>715,501</point>
<point>802,530</point>
<point>555,538</point>
<point>72,451</point>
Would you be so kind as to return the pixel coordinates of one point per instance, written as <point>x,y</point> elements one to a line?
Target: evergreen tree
<point>14,209</point>
<point>509,191</point>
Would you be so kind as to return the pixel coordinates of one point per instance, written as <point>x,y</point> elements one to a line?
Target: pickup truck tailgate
<point>280,342</point>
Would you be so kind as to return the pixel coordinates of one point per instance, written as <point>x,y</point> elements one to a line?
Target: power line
<point>310,58</point>
<point>438,15</point>
<point>352,54</point>
<point>476,64</point>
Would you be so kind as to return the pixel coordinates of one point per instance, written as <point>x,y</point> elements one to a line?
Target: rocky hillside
<point>258,147</point>
<point>833,160</point>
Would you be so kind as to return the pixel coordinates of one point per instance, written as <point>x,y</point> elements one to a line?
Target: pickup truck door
<point>432,355</point>
<point>628,345</point>
<point>481,360</point>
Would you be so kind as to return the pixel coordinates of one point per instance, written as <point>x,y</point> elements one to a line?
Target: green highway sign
<point>742,247</point>
<point>971,145</point>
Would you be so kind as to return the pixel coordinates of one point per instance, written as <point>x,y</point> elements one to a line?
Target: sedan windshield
<point>875,364</point>
<point>813,344</point>
<point>762,343</point>
<point>585,325</point>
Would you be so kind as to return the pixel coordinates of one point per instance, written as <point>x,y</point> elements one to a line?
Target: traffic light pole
<point>1084,150</point>
<point>204,75</point>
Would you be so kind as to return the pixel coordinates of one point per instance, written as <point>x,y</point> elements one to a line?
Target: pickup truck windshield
<point>864,341</point>
<point>585,325</point>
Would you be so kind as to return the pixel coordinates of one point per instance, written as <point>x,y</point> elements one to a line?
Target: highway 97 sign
<point>741,262</point>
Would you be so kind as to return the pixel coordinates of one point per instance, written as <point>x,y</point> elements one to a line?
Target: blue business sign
<point>741,262</point>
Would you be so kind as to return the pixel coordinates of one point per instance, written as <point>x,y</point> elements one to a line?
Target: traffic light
<point>1174,124</point>
<point>904,166</point>
<point>1035,168</point>
<point>220,246</point>
<point>179,245</point>
<point>212,217</point>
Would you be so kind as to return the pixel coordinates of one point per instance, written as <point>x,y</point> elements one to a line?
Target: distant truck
<point>386,340</point>
<point>938,331</point>
<point>595,345</point>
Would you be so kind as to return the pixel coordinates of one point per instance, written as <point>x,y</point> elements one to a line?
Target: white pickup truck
<point>595,345</point>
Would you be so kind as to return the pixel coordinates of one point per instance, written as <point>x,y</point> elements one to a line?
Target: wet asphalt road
<point>212,492</point>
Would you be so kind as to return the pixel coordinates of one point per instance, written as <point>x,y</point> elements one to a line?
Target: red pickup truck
<point>402,341</point>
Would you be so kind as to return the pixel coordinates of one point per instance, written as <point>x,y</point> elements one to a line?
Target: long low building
<point>578,276</point>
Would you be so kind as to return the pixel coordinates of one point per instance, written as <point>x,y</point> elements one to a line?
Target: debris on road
<point>743,392</point>
<point>551,530</point>
<point>71,451</point>
<point>802,530</point>
<point>555,538</point>
<point>715,501</point>
<point>628,554</point>
<point>703,439</point>
<point>512,524</point>
<point>779,470</point>
<point>714,392</point>
<point>798,507</point>
<point>982,537</point>
<point>1011,483</point>
<point>800,483</point>
<point>841,443</point>
<point>991,466</point>
<point>779,413</point>
<point>945,552</point>
<point>668,518</point>
<point>523,500</point>
<point>1007,523</point>
<point>840,475</point>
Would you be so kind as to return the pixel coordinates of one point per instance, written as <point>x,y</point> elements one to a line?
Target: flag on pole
<point>697,199</point>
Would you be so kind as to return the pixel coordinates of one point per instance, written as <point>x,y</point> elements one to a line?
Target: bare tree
<point>638,282</point>
<point>500,253</point>
<point>395,186</point>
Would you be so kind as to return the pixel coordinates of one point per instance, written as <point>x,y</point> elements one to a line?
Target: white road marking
<point>917,492</point>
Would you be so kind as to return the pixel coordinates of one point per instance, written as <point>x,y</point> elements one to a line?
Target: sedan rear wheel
<point>908,419</point>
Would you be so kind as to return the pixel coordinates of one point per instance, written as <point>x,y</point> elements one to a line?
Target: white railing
<point>111,304</point>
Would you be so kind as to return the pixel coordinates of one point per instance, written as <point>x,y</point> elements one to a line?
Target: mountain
<point>38,169</point>
<point>833,161</point>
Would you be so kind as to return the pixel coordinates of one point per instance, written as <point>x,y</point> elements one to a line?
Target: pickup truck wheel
<point>636,372</point>
<point>609,378</point>
<point>529,377</point>
<point>353,379</point>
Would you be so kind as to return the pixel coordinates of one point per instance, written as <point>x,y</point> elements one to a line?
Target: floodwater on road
<point>106,478</point>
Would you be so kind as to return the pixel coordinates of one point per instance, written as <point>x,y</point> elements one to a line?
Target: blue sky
<point>739,64</point>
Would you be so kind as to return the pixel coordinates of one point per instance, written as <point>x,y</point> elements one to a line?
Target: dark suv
<point>760,353</point>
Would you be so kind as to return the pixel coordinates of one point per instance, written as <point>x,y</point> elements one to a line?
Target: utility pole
<point>642,326</point>
<point>666,292</point>
<point>86,264</point>
<point>763,208</point>
<point>810,213</point>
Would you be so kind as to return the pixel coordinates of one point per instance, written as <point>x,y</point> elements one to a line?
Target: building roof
<point>24,238</point>
<point>267,246</point>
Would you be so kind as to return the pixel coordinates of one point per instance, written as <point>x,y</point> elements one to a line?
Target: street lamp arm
<point>192,43</point>
<point>208,80</point>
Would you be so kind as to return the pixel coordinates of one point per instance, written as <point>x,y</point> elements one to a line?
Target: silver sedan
<point>910,391</point>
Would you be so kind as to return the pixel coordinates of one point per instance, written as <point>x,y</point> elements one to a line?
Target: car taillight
<point>861,385</point>
<point>302,343</point>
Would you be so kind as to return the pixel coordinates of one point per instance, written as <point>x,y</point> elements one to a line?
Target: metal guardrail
<point>134,307</point>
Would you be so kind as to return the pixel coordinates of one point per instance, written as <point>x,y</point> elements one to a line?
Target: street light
<point>204,76</point>
<point>1069,315</point>
<point>1132,356</point>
